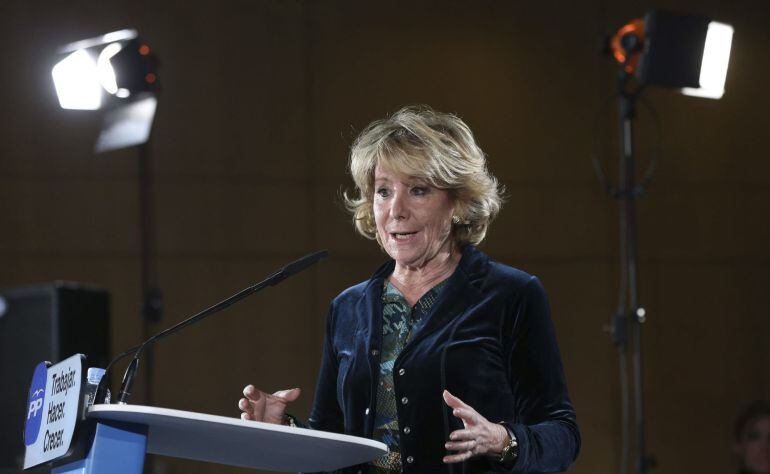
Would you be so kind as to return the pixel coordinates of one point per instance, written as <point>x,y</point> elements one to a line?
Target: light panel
<point>76,82</point>
<point>716,57</point>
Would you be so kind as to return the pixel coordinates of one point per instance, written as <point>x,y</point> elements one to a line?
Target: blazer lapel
<point>370,312</point>
<point>460,292</point>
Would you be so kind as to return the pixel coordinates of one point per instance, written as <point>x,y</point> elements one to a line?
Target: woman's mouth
<point>402,236</point>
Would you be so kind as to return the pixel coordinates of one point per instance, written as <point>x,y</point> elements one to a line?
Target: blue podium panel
<point>117,448</point>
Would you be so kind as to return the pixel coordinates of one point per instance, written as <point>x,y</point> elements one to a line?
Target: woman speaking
<point>444,355</point>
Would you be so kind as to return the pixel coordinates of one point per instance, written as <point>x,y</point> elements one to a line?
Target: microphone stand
<point>274,279</point>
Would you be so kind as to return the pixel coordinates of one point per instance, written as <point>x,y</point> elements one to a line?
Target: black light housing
<point>676,50</point>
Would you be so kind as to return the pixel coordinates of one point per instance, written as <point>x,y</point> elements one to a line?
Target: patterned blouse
<point>399,322</point>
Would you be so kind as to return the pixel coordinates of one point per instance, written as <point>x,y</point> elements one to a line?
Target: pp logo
<point>36,399</point>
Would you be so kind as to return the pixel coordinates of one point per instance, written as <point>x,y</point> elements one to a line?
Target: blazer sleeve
<point>326,414</point>
<point>545,426</point>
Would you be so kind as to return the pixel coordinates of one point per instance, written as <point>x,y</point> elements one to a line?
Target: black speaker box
<point>47,322</point>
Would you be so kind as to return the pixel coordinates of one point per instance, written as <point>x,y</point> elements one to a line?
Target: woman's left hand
<point>478,437</point>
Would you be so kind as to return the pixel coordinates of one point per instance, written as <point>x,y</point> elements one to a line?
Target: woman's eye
<point>420,190</point>
<point>382,192</point>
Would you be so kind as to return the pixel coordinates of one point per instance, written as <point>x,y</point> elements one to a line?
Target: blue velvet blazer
<point>488,339</point>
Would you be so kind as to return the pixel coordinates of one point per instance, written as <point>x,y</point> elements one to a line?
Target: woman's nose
<point>398,206</point>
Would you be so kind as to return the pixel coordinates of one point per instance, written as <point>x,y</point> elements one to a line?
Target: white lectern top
<point>237,442</point>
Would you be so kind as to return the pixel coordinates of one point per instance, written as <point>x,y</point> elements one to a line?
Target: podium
<point>124,433</point>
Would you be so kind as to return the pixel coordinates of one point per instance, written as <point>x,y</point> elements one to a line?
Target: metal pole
<point>620,322</point>
<point>151,302</point>
<point>629,307</point>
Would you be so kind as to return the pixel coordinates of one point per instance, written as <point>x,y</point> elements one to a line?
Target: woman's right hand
<point>260,406</point>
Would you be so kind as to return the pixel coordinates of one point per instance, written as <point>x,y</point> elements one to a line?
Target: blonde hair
<point>419,142</point>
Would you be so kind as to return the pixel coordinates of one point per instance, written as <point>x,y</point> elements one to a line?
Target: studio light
<point>687,52</point>
<point>98,70</point>
<point>690,54</point>
<point>115,76</point>
<point>116,72</point>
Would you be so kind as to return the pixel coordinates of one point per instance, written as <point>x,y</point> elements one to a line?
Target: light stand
<point>629,315</point>
<point>152,300</point>
<point>117,72</point>
<point>667,49</point>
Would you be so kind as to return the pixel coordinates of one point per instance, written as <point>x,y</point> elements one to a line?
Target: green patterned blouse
<point>399,322</point>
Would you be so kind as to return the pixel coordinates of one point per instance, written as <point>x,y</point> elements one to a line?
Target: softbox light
<point>684,51</point>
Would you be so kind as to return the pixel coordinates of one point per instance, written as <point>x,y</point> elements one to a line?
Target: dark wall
<point>260,102</point>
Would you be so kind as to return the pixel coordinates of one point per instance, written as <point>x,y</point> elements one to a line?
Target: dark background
<point>260,102</point>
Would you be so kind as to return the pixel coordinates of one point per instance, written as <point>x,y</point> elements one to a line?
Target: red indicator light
<point>150,78</point>
<point>144,50</point>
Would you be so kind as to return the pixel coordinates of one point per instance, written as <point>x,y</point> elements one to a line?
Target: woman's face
<point>414,219</point>
<point>754,448</point>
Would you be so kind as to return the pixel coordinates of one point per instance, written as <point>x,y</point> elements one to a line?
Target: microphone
<point>277,277</point>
